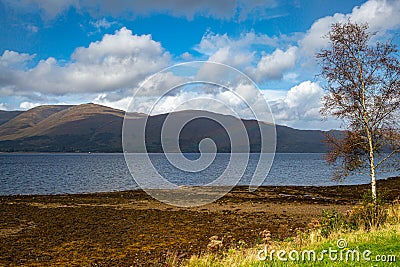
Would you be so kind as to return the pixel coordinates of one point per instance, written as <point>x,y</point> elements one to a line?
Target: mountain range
<point>96,128</point>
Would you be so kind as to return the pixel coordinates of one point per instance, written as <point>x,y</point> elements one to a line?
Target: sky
<point>81,51</point>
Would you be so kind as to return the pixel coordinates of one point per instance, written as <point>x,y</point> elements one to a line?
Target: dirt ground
<point>132,229</point>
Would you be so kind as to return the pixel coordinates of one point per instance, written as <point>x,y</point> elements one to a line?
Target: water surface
<point>85,173</point>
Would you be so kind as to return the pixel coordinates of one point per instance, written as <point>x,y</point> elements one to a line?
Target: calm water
<point>83,173</point>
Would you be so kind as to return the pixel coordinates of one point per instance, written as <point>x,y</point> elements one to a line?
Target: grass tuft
<point>356,233</point>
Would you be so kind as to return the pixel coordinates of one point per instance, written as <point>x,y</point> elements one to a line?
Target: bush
<point>367,215</point>
<point>394,212</point>
<point>370,214</point>
<point>333,221</point>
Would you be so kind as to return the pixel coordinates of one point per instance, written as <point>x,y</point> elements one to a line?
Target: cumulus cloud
<point>273,95</point>
<point>28,105</point>
<point>186,56</point>
<point>119,61</point>
<point>228,56</point>
<point>160,84</point>
<point>242,53</point>
<point>223,49</point>
<point>381,15</point>
<point>121,104</point>
<point>212,99</point>
<point>12,59</point>
<point>301,103</point>
<point>223,9</point>
<point>212,42</point>
<point>299,107</point>
<point>273,66</point>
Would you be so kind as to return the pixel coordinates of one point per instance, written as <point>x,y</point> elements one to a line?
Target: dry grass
<point>384,239</point>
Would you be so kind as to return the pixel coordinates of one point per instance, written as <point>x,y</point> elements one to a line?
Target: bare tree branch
<point>363,89</point>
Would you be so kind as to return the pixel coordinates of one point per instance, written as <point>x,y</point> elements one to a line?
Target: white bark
<point>372,167</point>
<point>369,135</point>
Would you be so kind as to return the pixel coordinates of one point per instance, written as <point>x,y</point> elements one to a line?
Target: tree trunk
<point>371,157</point>
<point>372,173</point>
<point>371,161</point>
<point>369,134</point>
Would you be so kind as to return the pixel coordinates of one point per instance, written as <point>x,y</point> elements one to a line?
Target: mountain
<point>86,127</point>
<point>16,125</point>
<point>96,128</point>
<point>8,115</point>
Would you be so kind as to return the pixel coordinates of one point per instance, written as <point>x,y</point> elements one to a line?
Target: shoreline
<point>130,228</point>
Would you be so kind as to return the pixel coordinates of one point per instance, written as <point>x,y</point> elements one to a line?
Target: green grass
<point>383,241</point>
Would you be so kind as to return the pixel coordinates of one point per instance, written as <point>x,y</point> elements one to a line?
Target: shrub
<point>370,214</point>
<point>333,221</point>
<point>394,212</point>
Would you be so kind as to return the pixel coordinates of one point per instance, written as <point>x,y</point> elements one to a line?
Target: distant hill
<point>8,115</point>
<point>27,120</point>
<point>96,128</point>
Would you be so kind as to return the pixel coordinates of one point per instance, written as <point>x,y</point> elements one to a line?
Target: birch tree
<point>363,90</point>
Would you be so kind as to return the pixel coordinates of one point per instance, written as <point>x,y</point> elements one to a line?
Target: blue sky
<point>78,51</point>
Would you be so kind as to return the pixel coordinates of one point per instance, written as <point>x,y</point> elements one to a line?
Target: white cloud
<point>12,59</point>
<point>273,95</point>
<point>244,101</point>
<point>299,107</point>
<point>119,61</point>
<point>102,23</point>
<point>305,96</point>
<point>301,103</point>
<point>28,105</point>
<point>186,56</point>
<point>121,104</point>
<point>273,66</point>
<point>160,84</point>
<point>381,15</point>
<point>251,52</point>
<point>313,40</point>
<point>291,76</point>
<point>211,42</point>
<point>247,51</point>
<point>230,57</point>
<point>219,101</point>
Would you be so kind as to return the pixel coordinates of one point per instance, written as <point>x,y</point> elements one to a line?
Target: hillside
<point>5,116</point>
<point>96,128</point>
